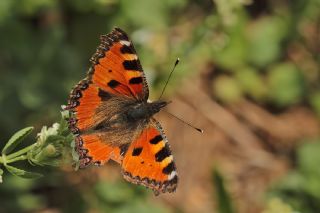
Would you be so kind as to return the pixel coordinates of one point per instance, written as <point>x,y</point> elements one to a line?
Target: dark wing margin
<point>149,162</point>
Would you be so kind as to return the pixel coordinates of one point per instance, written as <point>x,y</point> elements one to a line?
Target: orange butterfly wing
<point>116,67</point>
<point>96,150</point>
<point>115,71</point>
<point>148,161</point>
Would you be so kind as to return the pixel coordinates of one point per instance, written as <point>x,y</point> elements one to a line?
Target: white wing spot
<point>124,42</point>
<point>172,175</point>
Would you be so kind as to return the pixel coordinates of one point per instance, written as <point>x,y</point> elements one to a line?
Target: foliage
<point>224,201</point>
<point>301,188</point>
<point>266,57</point>
<point>52,146</point>
<point>276,205</point>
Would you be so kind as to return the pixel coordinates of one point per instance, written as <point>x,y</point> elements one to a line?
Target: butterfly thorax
<point>121,126</point>
<point>144,110</point>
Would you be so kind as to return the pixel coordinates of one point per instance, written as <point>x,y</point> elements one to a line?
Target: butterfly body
<point>144,111</point>
<point>112,118</point>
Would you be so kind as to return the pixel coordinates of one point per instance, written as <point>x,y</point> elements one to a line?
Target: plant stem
<point>20,152</point>
<point>21,157</point>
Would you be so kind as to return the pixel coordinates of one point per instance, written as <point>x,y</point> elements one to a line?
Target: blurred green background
<point>266,53</point>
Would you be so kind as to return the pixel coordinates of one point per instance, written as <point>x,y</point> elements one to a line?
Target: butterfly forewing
<point>119,70</point>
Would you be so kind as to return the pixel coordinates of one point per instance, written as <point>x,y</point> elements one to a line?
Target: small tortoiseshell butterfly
<point>111,117</point>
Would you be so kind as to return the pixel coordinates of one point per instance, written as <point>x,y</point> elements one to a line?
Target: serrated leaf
<point>22,173</point>
<point>16,139</point>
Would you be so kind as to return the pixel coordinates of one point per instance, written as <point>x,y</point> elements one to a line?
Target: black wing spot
<point>156,139</point>
<point>104,95</point>
<point>109,70</point>
<point>163,153</point>
<point>135,80</point>
<point>169,168</point>
<point>113,83</point>
<point>137,151</point>
<point>131,65</point>
<point>123,149</point>
<point>127,49</point>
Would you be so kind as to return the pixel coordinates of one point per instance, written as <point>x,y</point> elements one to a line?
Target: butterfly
<point>112,119</point>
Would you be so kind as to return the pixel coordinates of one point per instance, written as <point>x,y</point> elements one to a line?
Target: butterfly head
<point>143,111</point>
<point>155,107</point>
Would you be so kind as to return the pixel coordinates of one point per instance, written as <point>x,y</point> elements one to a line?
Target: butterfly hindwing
<point>148,161</point>
<point>92,149</point>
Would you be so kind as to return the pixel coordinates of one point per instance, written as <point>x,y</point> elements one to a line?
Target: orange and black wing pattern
<point>115,72</point>
<point>116,67</point>
<point>149,162</point>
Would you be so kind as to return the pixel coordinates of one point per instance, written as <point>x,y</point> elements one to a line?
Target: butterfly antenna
<point>198,129</point>
<point>164,88</point>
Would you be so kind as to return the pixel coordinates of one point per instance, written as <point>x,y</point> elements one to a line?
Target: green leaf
<point>223,198</point>
<point>22,173</point>
<point>252,83</point>
<point>227,89</point>
<point>63,126</point>
<point>265,36</point>
<point>138,10</point>
<point>276,205</point>
<point>286,84</point>
<point>309,158</point>
<point>16,139</point>
<point>314,101</point>
<point>115,193</point>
